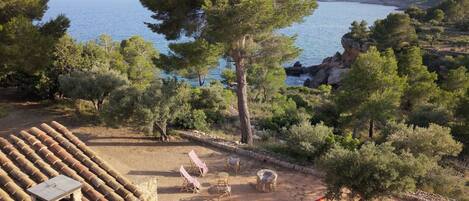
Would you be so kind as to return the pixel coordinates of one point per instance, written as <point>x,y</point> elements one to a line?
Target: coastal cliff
<point>330,71</point>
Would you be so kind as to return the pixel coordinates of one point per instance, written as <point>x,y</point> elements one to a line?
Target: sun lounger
<point>197,165</point>
<point>190,183</point>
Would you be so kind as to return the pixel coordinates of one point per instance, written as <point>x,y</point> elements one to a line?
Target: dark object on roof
<point>38,154</point>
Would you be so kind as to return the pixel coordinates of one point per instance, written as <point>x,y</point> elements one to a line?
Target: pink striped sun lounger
<point>197,165</point>
<point>190,183</point>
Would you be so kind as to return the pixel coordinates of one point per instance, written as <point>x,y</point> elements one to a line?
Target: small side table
<point>233,162</point>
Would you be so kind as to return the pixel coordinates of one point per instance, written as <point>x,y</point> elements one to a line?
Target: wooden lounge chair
<point>197,165</point>
<point>190,183</point>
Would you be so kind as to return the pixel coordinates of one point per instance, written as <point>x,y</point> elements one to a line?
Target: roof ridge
<point>92,194</point>
<point>71,148</point>
<point>91,154</point>
<point>22,161</point>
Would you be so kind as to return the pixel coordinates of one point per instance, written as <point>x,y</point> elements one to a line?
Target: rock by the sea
<point>332,69</point>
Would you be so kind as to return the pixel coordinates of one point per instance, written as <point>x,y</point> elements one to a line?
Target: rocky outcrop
<point>332,69</point>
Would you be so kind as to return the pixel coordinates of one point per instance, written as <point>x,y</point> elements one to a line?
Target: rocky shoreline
<point>332,69</point>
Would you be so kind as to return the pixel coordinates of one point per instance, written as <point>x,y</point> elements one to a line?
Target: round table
<point>266,180</point>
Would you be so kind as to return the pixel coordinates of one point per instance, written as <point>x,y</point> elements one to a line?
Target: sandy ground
<point>143,159</point>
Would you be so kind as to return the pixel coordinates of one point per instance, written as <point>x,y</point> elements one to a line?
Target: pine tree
<point>421,84</point>
<point>246,29</point>
<point>396,32</point>
<point>372,90</point>
<point>192,59</point>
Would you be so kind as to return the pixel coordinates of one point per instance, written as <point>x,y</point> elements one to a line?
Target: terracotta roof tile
<point>21,160</point>
<point>33,157</point>
<point>41,153</point>
<point>8,185</point>
<point>90,153</point>
<point>14,172</point>
<point>4,195</point>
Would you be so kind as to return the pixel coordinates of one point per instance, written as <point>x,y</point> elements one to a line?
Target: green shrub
<point>213,100</point>
<point>312,141</point>
<point>435,141</point>
<point>308,140</point>
<point>373,171</point>
<point>446,182</point>
<point>3,111</point>
<point>196,119</point>
<point>424,115</point>
<point>285,114</point>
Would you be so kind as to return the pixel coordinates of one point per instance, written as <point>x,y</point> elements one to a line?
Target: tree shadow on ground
<point>90,142</point>
<point>153,173</point>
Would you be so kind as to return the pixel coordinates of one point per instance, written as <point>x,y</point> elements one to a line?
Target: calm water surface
<point>319,35</point>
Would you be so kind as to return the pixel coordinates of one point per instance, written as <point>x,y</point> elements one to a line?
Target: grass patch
<point>78,110</point>
<point>281,150</point>
<point>4,110</point>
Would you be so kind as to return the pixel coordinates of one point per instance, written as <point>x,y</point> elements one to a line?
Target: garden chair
<point>190,183</point>
<point>197,165</point>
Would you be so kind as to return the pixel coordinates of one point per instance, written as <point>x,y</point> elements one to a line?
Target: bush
<point>446,182</point>
<point>426,114</point>
<point>463,25</point>
<point>285,114</point>
<point>373,171</point>
<point>212,100</point>
<point>434,141</point>
<point>3,111</point>
<point>195,120</point>
<point>312,141</point>
<point>308,140</point>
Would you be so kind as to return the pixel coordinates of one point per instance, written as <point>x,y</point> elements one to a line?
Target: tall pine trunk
<point>243,109</point>
<point>201,79</point>
<point>371,129</point>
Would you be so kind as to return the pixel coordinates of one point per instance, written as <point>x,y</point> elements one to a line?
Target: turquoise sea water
<point>319,35</point>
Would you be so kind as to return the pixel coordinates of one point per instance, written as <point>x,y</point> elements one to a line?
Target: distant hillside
<point>398,3</point>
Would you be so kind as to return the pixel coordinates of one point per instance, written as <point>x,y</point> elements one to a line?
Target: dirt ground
<point>143,159</point>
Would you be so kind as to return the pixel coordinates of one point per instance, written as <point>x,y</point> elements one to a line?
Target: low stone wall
<point>234,148</point>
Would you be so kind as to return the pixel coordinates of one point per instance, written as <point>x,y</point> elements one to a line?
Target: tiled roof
<point>43,152</point>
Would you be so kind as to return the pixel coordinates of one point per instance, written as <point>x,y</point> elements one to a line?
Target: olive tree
<point>152,109</point>
<point>94,85</point>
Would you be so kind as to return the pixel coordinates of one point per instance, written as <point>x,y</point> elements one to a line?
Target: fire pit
<point>266,180</point>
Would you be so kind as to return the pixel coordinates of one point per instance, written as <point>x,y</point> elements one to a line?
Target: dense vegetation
<point>397,122</point>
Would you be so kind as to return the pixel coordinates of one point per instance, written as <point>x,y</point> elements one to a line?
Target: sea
<point>318,35</point>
